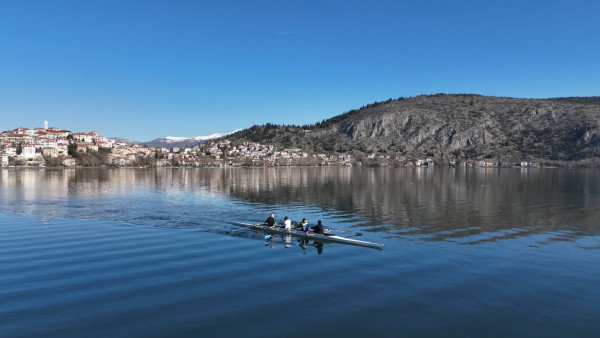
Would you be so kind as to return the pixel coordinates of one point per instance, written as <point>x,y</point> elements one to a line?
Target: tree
<point>53,161</point>
<point>72,149</point>
<point>247,162</point>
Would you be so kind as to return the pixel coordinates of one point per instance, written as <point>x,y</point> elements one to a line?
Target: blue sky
<point>146,69</point>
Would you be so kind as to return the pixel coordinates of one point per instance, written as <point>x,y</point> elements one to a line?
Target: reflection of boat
<point>301,242</point>
<point>328,237</point>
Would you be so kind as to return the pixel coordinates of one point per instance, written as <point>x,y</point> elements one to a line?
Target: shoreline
<point>299,166</point>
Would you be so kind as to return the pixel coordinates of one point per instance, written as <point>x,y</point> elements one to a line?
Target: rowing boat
<point>309,235</point>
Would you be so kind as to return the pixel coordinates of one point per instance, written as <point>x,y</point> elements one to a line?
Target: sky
<point>148,69</point>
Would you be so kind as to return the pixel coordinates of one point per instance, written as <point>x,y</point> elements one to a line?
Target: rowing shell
<point>310,235</point>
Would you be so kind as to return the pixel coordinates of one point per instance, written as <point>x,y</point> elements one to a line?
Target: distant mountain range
<point>125,140</point>
<point>174,141</point>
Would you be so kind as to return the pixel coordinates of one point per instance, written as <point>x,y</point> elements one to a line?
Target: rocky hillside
<point>452,128</point>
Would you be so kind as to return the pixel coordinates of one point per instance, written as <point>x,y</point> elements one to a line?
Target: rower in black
<point>270,221</point>
<point>318,229</point>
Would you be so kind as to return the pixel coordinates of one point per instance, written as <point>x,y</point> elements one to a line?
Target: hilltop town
<point>55,147</point>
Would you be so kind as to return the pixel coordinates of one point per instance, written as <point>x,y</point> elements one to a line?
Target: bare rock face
<point>477,125</point>
<point>590,139</point>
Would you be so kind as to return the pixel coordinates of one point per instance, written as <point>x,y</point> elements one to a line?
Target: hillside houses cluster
<point>223,153</point>
<point>35,147</point>
<point>51,146</point>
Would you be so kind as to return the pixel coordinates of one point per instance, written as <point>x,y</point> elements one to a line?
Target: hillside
<point>456,127</point>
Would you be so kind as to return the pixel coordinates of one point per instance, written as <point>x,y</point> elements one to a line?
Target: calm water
<point>152,252</point>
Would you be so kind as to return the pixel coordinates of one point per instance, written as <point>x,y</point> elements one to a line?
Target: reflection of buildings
<point>25,184</point>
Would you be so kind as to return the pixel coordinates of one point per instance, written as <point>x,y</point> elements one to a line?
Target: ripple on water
<point>157,254</point>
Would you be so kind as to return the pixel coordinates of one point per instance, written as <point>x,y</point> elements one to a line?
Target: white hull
<point>310,235</point>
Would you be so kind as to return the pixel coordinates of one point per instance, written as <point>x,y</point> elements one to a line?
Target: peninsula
<point>426,130</point>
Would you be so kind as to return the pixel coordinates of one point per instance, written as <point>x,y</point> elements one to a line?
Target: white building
<point>51,152</point>
<point>57,133</point>
<point>85,137</point>
<point>49,143</point>
<point>10,151</point>
<point>30,132</point>
<point>28,151</point>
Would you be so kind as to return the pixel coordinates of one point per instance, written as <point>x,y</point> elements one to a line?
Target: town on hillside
<point>55,147</point>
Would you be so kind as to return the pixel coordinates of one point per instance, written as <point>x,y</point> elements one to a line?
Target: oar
<point>251,225</point>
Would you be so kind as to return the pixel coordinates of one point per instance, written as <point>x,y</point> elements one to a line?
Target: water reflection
<point>468,206</point>
<point>289,241</point>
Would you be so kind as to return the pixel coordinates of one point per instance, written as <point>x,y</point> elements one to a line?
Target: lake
<point>153,252</point>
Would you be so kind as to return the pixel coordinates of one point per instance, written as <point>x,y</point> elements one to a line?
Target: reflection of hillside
<point>439,203</point>
<point>463,205</point>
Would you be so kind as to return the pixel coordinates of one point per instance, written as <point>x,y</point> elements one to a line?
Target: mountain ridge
<point>452,127</point>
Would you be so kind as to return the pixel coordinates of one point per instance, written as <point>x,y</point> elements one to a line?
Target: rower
<point>270,221</point>
<point>304,225</point>
<point>287,223</point>
<point>318,229</point>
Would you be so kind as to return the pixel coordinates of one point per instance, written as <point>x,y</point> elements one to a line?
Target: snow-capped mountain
<point>125,140</point>
<point>175,141</point>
